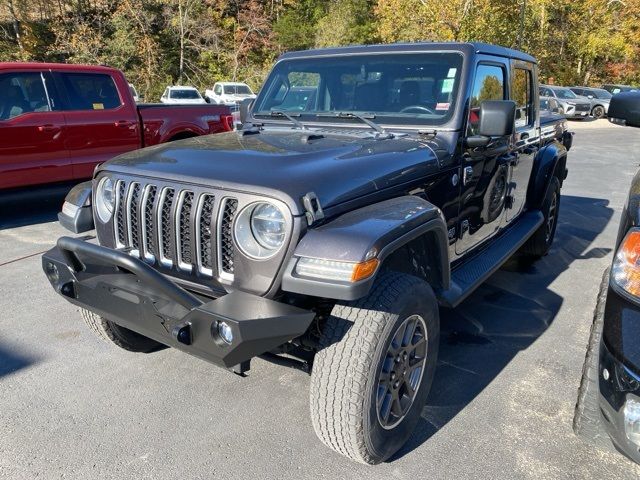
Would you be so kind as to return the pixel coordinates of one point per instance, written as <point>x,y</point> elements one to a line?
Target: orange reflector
<point>630,247</point>
<point>364,270</point>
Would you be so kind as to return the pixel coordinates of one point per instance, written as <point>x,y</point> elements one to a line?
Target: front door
<point>485,170</point>
<point>32,146</point>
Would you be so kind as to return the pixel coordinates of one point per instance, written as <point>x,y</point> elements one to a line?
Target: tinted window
<point>416,88</point>
<point>185,94</point>
<point>601,94</point>
<point>488,85</point>
<point>521,94</point>
<point>90,91</point>
<point>22,93</point>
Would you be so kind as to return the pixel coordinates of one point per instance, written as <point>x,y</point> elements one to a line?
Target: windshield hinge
<point>313,209</point>
<point>428,133</point>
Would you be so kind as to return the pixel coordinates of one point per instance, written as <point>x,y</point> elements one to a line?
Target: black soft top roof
<point>469,48</point>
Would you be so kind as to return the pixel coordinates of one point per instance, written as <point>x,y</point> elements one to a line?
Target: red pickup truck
<point>57,122</point>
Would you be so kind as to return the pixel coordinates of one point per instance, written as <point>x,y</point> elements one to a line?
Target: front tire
<point>372,377</point>
<point>540,242</point>
<point>122,337</point>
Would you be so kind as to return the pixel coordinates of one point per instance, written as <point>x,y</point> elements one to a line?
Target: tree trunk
<point>16,25</point>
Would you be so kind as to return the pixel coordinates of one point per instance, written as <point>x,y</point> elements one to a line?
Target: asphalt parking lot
<point>501,406</point>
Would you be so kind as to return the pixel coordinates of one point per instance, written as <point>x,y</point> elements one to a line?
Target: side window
<point>521,94</point>
<point>488,85</point>
<point>22,93</point>
<point>91,91</point>
<point>217,89</point>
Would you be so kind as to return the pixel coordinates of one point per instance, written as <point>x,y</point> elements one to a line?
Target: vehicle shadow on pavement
<point>30,206</point>
<point>11,362</point>
<point>504,316</point>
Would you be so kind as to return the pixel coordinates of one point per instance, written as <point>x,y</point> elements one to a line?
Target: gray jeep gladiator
<point>368,187</point>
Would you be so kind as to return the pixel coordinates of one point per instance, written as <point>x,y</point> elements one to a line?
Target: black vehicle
<point>608,407</point>
<point>327,233</point>
<point>614,88</point>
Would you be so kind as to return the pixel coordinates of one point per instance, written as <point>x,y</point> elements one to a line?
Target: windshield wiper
<point>297,123</point>
<point>381,131</point>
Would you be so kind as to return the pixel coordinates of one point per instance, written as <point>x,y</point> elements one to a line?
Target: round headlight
<point>105,199</point>
<point>267,225</point>
<point>260,230</point>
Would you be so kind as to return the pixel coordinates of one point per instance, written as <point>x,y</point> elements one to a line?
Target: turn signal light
<point>334,270</point>
<point>625,271</point>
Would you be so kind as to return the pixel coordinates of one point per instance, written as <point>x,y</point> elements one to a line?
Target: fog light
<point>632,420</point>
<point>225,332</point>
<point>52,272</point>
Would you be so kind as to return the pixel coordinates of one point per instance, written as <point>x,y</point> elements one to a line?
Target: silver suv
<point>599,99</point>
<point>573,105</point>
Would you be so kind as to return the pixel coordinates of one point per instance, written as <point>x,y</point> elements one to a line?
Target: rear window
<point>185,94</point>
<point>237,90</point>
<point>90,91</point>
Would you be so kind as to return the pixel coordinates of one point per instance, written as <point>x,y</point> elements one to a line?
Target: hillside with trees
<point>198,42</point>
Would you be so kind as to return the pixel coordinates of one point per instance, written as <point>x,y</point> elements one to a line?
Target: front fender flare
<point>375,230</point>
<point>550,160</point>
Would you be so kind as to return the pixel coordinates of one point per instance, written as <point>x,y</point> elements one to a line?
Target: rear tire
<point>371,379</point>
<point>117,335</point>
<point>597,112</point>
<point>538,245</point>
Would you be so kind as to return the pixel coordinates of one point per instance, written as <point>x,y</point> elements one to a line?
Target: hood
<point>285,164</point>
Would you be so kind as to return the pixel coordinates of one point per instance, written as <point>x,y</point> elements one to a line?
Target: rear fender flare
<point>386,230</point>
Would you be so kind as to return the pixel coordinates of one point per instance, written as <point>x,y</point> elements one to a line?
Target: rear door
<point>101,122</point>
<point>527,141</point>
<point>32,146</point>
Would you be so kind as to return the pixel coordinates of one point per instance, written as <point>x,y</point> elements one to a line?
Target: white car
<point>228,93</point>
<point>182,95</point>
<point>134,93</point>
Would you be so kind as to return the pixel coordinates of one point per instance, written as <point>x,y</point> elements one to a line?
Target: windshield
<point>237,90</point>
<point>185,94</point>
<point>564,93</point>
<point>414,88</point>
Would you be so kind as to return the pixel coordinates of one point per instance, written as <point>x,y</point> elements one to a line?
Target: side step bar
<point>468,276</point>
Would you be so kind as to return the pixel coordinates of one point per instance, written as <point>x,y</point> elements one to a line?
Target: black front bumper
<point>130,293</point>
<point>619,353</point>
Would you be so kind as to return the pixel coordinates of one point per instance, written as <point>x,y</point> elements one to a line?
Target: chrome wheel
<point>402,370</point>
<point>551,217</point>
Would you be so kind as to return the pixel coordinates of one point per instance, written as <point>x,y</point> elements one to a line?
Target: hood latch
<point>313,209</point>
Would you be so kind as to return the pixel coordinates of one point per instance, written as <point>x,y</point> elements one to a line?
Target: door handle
<point>48,128</point>
<point>467,175</point>
<point>123,123</point>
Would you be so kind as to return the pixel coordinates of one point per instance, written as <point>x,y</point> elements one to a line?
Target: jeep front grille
<point>175,228</point>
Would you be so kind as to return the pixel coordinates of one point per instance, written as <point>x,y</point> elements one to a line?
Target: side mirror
<point>76,214</point>
<point>497,118</point>
<point>624,109</point>
<point>590,97</point>
<point>245,106</point>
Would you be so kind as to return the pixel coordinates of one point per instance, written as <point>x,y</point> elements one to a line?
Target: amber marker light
<point>625,271</point>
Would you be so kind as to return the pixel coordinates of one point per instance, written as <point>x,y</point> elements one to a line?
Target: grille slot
<point>204,234</point>
<point>184,233</point>
<point>133,200</point>
<point>226,251</point>
<point>148,223</point>
<point>121,234</point>
<point>176,228</point>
